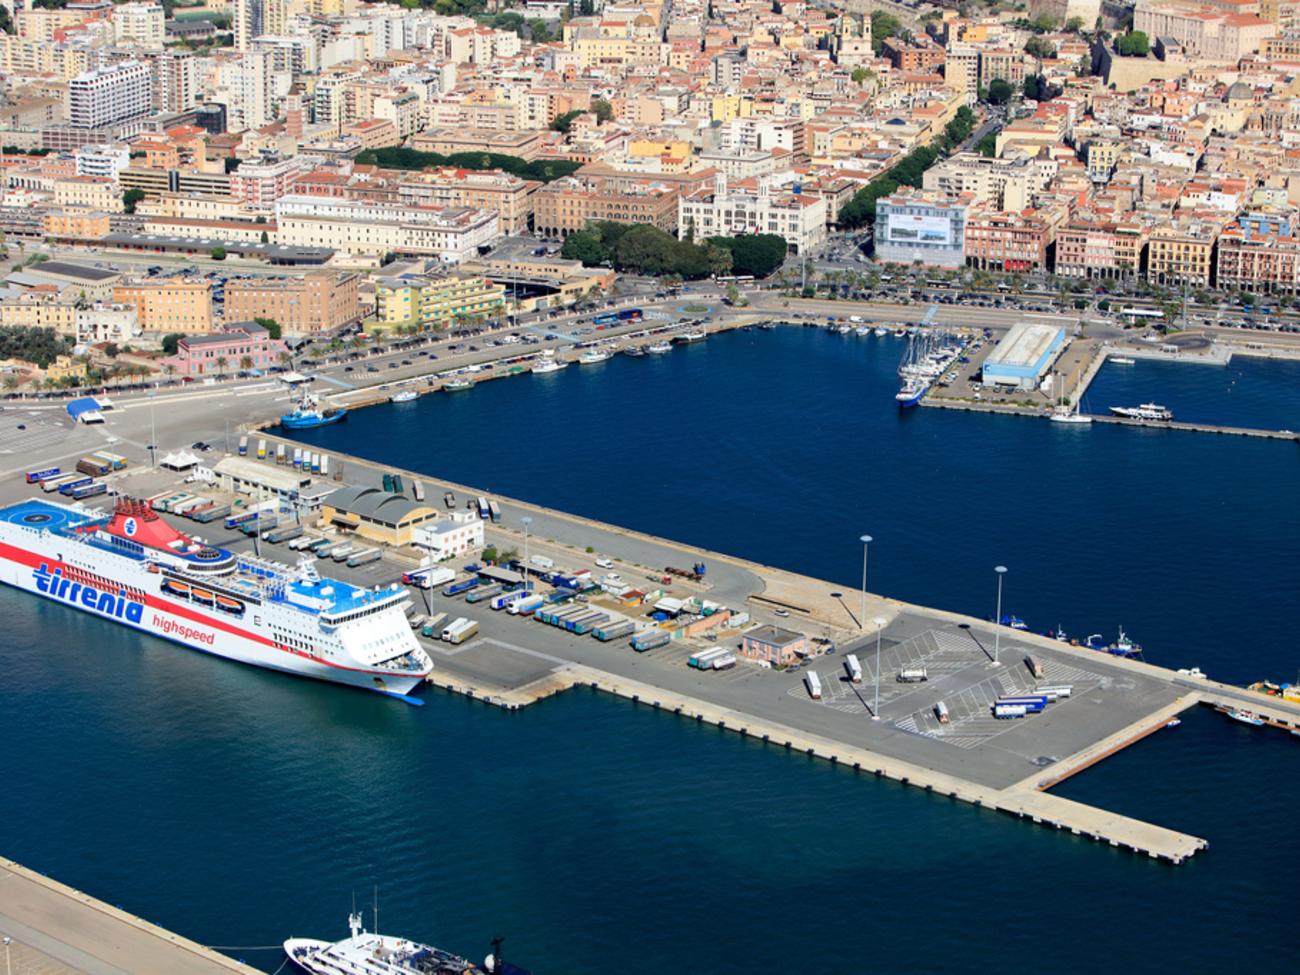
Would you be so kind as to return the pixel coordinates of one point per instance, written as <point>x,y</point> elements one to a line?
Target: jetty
<point>1006,766</point>
<point>56,930</point>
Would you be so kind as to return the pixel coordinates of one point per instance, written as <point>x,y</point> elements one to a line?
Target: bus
<point>609,318</point>
<point>1136,314</point>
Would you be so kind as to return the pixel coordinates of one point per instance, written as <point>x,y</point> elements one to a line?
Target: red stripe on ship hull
<point>32,560</point>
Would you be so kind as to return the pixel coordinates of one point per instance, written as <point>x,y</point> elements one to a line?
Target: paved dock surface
<point>58,930</point>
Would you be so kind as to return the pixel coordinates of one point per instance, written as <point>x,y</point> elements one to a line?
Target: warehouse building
<point>376,515</point>
<point>1022,358</point>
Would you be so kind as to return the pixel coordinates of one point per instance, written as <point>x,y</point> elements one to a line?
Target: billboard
<point>915,229</point>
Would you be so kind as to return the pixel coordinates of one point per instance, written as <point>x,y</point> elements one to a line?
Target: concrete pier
<point>58,930</point>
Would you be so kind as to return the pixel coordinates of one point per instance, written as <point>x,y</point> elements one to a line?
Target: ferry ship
<point>365,953</point>
<point>133,568</point>
<point>1147,411</point>
<point>309,414</point>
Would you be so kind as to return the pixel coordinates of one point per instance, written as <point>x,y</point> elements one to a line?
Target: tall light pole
<point>880,630</point>
<point>8,968</point>
<point>1001,570</point>
<point>527,521</point>
<point>153,434</point>
<point>862,619</point>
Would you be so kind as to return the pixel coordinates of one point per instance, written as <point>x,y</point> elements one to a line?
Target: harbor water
<point>240,807</point>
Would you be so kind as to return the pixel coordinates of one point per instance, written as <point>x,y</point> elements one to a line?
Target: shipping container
<point>725,662</point>
<point>704,659</point>
<point>506,599</point>
<point>1035,666</point>
<point>397,483</point>
<point>482,593</point>
<point>89,491</point>
<point>429,577</point>
<point>1033,704</point>
<point>417,490</point>
<point>70,485</point>
<point>325,465</point>
<point>115,461</point>
<point>302,542</point>
<point>484,511</point>
<point>364,557</point>
<point>494,510</point>
<point>280,452</point>
<point>449,500</point>
<point>814,685</point>
<point>1056,691</point>
<point>243,446</point>
<point>1009,711</point>
<point>297,457</point>
<point>284,533</point>
<point>342,552</point>
<point>189,504</point>
<point>585,624</point>
<point>912,675</point>
<point>650,640</point>
<point>261,450</point>
<point>941,712</point>
<point>853,668</point>
<point>93,466</point>
<point>35,477</point>
<point>460,587</point>
<point>526,606</point>
<point>208,515</point>
<point>613,630</point>
<point>52,484</point>
<point>434,625</point>
<point>460,631</point>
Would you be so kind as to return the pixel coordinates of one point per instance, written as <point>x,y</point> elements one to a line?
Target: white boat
<point>135,569</point>
<point>546,362</point>
<point>1121,360</point>
<point>862,331</point>
<point>1067,414</point>
<point>881,331</point>
<point>1147,411</point>
<point>593,356</point>
<point>458,385</point>
<point>403,396</point>
<point>687,337</point>
<point>659,348</point>
<point>365,953</point>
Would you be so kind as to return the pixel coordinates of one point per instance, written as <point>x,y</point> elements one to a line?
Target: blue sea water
<point>240,807</point>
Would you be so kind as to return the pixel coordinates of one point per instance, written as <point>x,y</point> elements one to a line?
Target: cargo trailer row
<point>613,630</point>
<point>433,626</point>
<point>364,557</point>
<point>651,640</point>
<point>460,631</point>
<point>481,593</point>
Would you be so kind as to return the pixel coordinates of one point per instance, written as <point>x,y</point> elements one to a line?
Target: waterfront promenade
<point>57,930</point>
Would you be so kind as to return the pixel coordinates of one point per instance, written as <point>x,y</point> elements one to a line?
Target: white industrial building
<point>450,537</point>
<point>1024,355</point>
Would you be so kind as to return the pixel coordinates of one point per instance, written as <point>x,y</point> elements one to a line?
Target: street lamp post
<point>880,630</point>
<point>526,521</point>
<point>862,619</point>
<point>8,968</point>
<point>1001,570</point>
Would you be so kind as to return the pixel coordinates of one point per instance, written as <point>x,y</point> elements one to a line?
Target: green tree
<point>999,91</point>
<point>271,325</point>
<point>245,362</point>
<point>218,253</point>
<point>585,246</point>
<point>170,342</point>
<point>603,109</point>
<point>1134,44</point>
<point>883,26</point>
<point>222,362</point>
<point>988,145</point>
<point>541,32</point>
<point>753,254</point>
<point>1040,47</point>
<point>130,198</point>
<point>264,238</point>
<point>1074,25</point>
<point>563,123</point>
<point>860,75</point>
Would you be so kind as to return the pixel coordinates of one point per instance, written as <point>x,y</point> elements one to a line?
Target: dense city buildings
<point>318,301</point>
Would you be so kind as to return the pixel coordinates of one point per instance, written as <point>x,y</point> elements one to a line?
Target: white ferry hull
<point>142,605</point>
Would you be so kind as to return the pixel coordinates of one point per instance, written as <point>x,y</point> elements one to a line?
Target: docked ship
<point>308,413</point>
<point>686,338</point>
<point>593,356</point>
<point>133,568</point>
<point>659,348</point>
<point>913,388</point>
<point>927,357</point>
<point>458,385</point>
<point>546,362</point>
<point>365,953</point>
<point>1147,411</point>
<point>403,396</point>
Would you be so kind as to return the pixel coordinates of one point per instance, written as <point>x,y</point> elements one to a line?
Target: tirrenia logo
<point>113,604</point>
<point>129,526</point>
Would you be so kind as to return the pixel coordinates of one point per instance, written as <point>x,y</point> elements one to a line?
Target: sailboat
<point>1065,414</point>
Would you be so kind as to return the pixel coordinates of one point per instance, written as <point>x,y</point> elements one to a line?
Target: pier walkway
<point>58,930</point>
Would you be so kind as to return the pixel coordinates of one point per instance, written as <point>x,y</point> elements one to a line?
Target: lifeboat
<point>230,605</point>
<point>177,587</point>
<point>201,596</point>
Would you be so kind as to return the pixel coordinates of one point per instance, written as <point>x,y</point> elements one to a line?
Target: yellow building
<point>375,515</point>
<point>95,192</point>
<point>170,304</point>
<point>76,224</point>
<point>436,302</point>
<point>673,156</point>
<point>1181,253</point>
<point>65,367</point>
<point>43,311</point>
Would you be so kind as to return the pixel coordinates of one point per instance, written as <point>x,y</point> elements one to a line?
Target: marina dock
<point>987,763</point>
<point>57,930</point>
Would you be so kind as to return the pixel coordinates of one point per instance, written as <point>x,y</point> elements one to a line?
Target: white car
<point>604,564</point>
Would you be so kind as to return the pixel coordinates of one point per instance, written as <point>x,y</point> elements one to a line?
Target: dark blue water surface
<point>239,806</point>
<point>1263,394</point>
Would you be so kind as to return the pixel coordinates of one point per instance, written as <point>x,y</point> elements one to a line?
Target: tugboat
<point>308,413</point>
<point>1147,411</point>
<point>1122,646</point>
<point>366,953</point>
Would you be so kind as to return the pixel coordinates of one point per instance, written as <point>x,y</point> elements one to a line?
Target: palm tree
<point>246,362</point>
<point>285,358</point>
<point>222,362</point>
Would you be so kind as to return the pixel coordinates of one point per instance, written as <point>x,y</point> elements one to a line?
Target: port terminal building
<point>1024,355</point>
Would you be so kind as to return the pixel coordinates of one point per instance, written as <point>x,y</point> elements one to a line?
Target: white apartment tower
<point>175,80</point>
<point>111,94</point>
<point>140,24</point>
